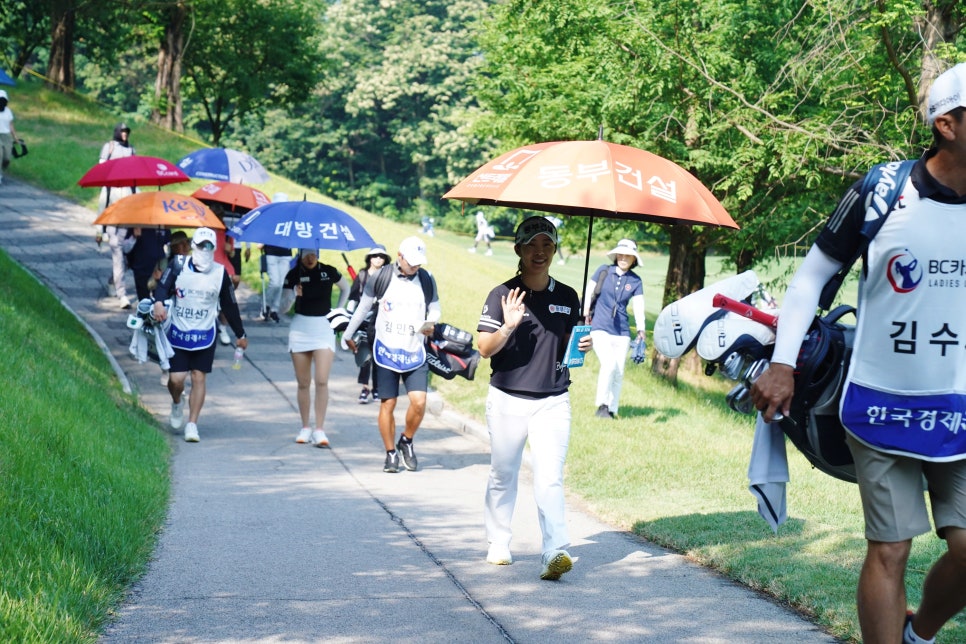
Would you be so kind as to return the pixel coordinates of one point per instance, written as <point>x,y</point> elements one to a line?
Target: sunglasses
<point>205,245</point>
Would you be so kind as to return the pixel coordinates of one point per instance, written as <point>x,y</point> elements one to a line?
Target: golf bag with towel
<point>450,352</point>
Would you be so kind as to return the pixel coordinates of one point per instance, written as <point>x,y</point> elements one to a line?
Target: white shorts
<point>310,333</point>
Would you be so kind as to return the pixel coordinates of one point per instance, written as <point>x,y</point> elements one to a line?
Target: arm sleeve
<point>229,306</point>
<point>166,284</point>
<point>359,315</point>
<point>589,293</point>
<point>343,285</point>
<point>433,310</point>
<point>800,303</point>
<point>637,305</point>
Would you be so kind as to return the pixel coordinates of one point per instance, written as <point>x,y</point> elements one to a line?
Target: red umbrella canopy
<point>131,172</point>
<point>159,208</point>
<point>596,179</point>
<point>236,196</point>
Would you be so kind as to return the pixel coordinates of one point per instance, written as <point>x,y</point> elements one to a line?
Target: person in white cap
<point>198,288</point>
<point>906,385</point>
<point>8,134</point>
<point>609,292</point>
<point>408,308</point>
<point>524,330</point>
<point>376,258</point>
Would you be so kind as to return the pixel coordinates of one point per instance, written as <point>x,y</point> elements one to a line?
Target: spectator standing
<point>524,329</point>
<point>311,340</point>
<point>616,286</point>
<point>407,312</point>
<point>484,233</point>
<point>901,391</point>
<point>8,133</point>
<point>376,258</point>
<point>120,239</point>
<point>198,287</point>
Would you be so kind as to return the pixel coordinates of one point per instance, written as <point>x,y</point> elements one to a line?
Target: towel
<point>768,472</point>
<point>139,345</point>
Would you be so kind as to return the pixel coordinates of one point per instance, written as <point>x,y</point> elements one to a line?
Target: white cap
<point>947,93</point>
<point>203,235</point>
<point>413,250</point>
<point>624,247</point>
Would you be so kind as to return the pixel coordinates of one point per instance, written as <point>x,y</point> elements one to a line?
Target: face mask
<point>202,259</point>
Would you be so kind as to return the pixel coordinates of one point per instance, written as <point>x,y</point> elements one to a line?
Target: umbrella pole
<point>583,287</point>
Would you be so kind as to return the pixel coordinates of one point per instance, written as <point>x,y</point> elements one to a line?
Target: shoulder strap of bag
<point>383,277</point>
<point>880,190</point>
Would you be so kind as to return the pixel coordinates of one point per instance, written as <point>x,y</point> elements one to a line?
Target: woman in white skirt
<point>311,339</point>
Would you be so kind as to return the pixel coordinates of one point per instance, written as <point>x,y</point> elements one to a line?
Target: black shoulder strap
<point>599,281</point>
<point>381,283</point>
<point>880,191</point>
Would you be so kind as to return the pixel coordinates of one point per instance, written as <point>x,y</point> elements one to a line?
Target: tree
<point>167,108</point>
<point>24,28</point>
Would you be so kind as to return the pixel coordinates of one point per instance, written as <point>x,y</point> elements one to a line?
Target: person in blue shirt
<point>616,286</point>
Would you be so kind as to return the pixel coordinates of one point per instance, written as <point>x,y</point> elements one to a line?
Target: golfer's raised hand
<point>513,308</point>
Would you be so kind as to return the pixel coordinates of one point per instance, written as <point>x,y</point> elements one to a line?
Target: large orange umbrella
<point>131,172</point>
<point>237,197</point>
<point>160,208</point>
<point>593,179</point>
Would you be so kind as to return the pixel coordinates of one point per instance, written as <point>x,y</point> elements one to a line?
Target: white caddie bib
<point>906,388</point>
<point>195,308</point>
<point>398,345</point>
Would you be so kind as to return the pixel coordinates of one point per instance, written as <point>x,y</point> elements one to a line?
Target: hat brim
<point>612,255</point>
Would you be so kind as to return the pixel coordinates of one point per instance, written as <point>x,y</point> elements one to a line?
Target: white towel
<point>139,345</point>
<point>768,472</point>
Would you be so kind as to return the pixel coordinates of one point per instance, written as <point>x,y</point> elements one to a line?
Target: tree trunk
<point>685,275</point>
<point>60,68</point>
<point>937,28</point>
<point>167,110</point>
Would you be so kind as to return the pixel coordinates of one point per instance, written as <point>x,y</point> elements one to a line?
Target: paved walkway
<point>270,541</point>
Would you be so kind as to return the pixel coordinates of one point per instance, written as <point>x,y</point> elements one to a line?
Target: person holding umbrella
<point>612,288</point>
<point>8,134</point>
<point>119,239</point>
<point>197,291</point>
<point>524,329</point>
<point>311,340</point>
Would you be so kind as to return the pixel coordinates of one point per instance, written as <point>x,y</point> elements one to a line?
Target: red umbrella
<point>239,198</point>
<point>595,179</point>
<point>159,208</point>
<point>131,172</point>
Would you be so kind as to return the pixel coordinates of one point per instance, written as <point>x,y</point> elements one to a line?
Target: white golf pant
<point>611,351</point>
<point>278,268</point>
<point>115,237</point>
<point>511,421</point>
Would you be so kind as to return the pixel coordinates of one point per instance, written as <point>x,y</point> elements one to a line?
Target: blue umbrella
<point>302,224</point>
<point>6,79</point>
<point>223,164</point>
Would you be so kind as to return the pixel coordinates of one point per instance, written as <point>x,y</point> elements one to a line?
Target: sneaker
<point>223,335</point>
<point>262,316</point>
<point>364,397</point>
<point>124,303</point>
<point>375,395</point>
<point>489,251</point>
<point>164,378</point>
<point>471,250</point>
<point>499,555</point>
<point>408,454</point>
<point>555,564</point>
<point>392,462</point>
<point>304,435</point>
<point>177,415</point>
<point>191,433</point>
<point>274,316</point>
<point>319,439</point>
<point>603,412</point>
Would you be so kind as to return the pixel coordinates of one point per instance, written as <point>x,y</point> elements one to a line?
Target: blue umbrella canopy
<point>302,224</point>
<point>223,164</point>
<point>6,79</point>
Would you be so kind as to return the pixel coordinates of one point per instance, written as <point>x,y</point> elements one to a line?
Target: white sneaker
<point>555,564</point>
<point>489,251</point>
<point>304,435</point>
<point>191,433</point>
<point>124,303</point>
<point>499,555</point>
<point>177,415</point>
<point>319,439</point>
<point>223,335</point>
<point>471,250</point>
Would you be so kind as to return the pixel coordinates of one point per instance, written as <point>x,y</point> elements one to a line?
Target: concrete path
<point>270,541</point>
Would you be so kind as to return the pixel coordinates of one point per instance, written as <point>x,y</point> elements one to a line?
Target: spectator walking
<point>8,133</point>
<point>376,258</point>
<point>146,257</point>
<point>311,340</point>
<point>524,329</point>
<point>407,313</point>
<point>609,292</point>
<point>120,239</point>
<point>484,233</point>
<point>198,287</point>
<point>902,389</point>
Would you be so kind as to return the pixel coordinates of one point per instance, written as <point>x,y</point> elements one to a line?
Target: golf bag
<point>450,352</point>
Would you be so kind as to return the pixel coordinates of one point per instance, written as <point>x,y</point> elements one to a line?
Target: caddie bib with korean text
<point>906,388</point>
<point>195,308</point>
<point>398,345</point>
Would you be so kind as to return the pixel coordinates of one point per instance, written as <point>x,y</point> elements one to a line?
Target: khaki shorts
<point>893,499</point>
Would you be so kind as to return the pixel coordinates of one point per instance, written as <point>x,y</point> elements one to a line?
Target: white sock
<point>909,636</point>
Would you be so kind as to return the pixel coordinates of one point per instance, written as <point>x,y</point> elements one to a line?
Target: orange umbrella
<point>161,208</point>
<point>133,171</point>
<point>238,197</point>
<point>594,179</point>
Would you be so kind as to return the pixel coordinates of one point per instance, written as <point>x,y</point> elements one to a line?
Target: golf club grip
<point>745,310</point>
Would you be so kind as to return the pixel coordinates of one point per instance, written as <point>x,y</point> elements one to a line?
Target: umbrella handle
<point>352,271</point>
<point>746,310</point>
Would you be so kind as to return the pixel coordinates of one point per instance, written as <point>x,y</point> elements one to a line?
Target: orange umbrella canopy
<point>133,171</point>
<point>160,208</point>
<point>238,197</point>
<point>596,179</point>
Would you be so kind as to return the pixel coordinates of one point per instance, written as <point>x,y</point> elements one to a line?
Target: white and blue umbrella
<point>223,164</point>
<point>6,79</point>
<point>302,224</point>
